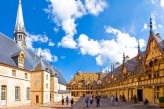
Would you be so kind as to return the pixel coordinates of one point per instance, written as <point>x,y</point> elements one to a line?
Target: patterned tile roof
<point>9,49</point>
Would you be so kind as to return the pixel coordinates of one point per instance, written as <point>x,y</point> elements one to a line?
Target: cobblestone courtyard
<point>80,104</point>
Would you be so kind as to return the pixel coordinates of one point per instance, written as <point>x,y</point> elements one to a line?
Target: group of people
<point>91,100</point>
<point>67,101</point>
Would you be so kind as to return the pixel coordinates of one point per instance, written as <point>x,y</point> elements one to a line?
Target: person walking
<point>98,101</point>
<point>91,100</point>
<point>112,99</point>
<point>87,101</point>
<point>116,100</point>
<point>62,101</point>
<point>72,101</point>
<point>67,100</point>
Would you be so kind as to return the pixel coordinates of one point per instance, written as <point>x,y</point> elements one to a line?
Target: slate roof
<point>9,49</point>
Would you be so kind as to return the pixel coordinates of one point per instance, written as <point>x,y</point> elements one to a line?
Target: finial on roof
<point>113,66</point>
<point>41,54</point>
<point>151,25</point>
<point>123,58</point>
<point>138,46</point>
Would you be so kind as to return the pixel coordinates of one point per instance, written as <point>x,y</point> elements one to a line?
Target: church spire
<point>19,26</point>
<point>19,31</point>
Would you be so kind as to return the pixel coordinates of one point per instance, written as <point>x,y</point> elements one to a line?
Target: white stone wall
<point>10,81</point>
<point>46,93</point>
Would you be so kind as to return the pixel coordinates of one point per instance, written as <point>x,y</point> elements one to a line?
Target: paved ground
<point>46,106</point>
<point>80,104</point>
<point>105,104</point>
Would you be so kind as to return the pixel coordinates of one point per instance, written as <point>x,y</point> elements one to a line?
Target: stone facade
<point>11,77</point>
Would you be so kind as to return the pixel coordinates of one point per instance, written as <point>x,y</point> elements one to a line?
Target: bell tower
<point>20,36</point>
<point>19,31</point>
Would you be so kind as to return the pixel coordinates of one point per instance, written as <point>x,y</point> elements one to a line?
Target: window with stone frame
<point>26,76</point>
<point>3,92</point>
<point>157,92</point>
<point>156,74</point>
<point>28,93</point>
<point>14,73</point>
<point>46,77</point>
<point>47,85</point>
<point>17,93</point>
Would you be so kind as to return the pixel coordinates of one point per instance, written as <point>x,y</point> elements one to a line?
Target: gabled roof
<point>40,66</point>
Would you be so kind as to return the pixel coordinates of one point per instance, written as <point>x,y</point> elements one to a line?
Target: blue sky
<point>85,35</point>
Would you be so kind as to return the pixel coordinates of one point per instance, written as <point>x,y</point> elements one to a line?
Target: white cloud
<point>62,57</point>
<point>106,51</point>
<point>65,13</point>
<point>95,6</point>
<point>88,46</point>
<point>51,43</point>
<point>67,42</point>
<point>154,1</point>
<point>159,25</point>
<point>46,54</point>
<point>32,38</point>
<point>55,58</point>
<point>56,30</point>
<point>162,3</point>
<point>145,26</point>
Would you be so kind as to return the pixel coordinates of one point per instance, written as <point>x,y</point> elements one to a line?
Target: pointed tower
<point>20,37</point>
<point>19,32</point>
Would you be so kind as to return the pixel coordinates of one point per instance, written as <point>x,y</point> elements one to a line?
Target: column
<point>153,96</point>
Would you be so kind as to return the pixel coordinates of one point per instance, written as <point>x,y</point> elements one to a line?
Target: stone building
<point>26,78</point>
<point>142,76</point>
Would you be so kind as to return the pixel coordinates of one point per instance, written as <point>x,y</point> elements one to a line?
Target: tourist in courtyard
<point>72,101</point>
<point>62,101</point>
<point>91,100</point>
<point>112,99</point>
<point>116,100</point>
<point>67,100</point>
<point>146,101</point>
<point>98,101</point>
<point>87,101</point>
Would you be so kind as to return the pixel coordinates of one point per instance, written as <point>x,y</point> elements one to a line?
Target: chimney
<point>158,35</point>
<point>127,58</point>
